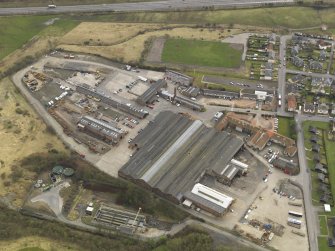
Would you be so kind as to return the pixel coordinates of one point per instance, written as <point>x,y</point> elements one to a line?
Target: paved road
<point>310,74</point>
<point>282,73</point>
<point>304,179</point>
<point>144,6</point>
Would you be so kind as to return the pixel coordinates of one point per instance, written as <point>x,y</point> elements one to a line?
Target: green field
<point>17,30</point>
<point>286,127</point>
<point>323,225</point>
<point>201,53</point>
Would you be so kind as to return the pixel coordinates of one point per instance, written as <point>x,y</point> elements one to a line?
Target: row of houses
<point>259,136</point>
<point>320,168</point>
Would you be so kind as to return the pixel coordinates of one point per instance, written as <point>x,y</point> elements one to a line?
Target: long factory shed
<point>174,152</point>
<point>137,112</point>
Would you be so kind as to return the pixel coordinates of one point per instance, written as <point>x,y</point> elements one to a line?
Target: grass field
<point>17,30</point>
<point>323,225</point>
<point>202,53</point>
<point>126,42</point>
<point>285,127</point>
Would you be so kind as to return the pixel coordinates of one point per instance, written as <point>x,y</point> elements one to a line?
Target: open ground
<point>22,133</point>
<point>126,42</point>
<point>35,242</point>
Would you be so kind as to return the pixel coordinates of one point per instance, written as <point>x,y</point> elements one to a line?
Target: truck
<point>51,6</point>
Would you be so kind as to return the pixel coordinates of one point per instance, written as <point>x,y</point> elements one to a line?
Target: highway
<point>172,5</point>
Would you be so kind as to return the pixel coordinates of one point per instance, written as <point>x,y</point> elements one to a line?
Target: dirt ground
<point>273,208</point>
<point>241,103</point>
<point>258,120</point>
<point>33,241</point>
<point>127,45</point>
<point>22,135</point>
<point>155,52</point>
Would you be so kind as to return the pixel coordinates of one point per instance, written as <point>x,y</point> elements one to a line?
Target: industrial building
<point>208,199</point>
<point>150,94</point>
<point>174,152</point>
<point>286,165</point>
<point>100,129</point>
<point>220,94</point>
<point>178,78</point>
<point>229,172</point>
<point>128,108</point>
<point>182,101</point>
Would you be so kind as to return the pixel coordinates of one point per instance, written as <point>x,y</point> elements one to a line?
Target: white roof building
<point>212,195</point>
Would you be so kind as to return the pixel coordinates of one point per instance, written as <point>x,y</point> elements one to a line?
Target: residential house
<point>315,65</point>
<point>298,62</point>
<point>291,102</point>
<point>313,129</point>
<point>320,168</point>
<point>272,38</point>
<point>295,50</point>
<point>323,55</point>
<point>328,81</point>
<point>268,74</point>
<point>271,55</point>
<point>309,108</point>
<point>322,177</point>
<point>316,148</point>
<point>314,139</point>
<point>316,158</point>
<point>323,109</point>
<point>316,81</point>
<point>296,79</point>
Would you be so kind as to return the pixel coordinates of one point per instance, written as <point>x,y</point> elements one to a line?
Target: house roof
<point>291,102</point>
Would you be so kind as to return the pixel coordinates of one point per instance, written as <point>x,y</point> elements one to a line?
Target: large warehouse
<point>174,152</point>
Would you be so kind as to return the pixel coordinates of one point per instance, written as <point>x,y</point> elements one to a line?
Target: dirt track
<point>155,53</point>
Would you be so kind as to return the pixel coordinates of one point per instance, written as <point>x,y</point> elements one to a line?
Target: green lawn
<point>286,127</point>
<point>17,30</point>
<point>323,225</point>
<point>202,53</point>
<point>323,244</point>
